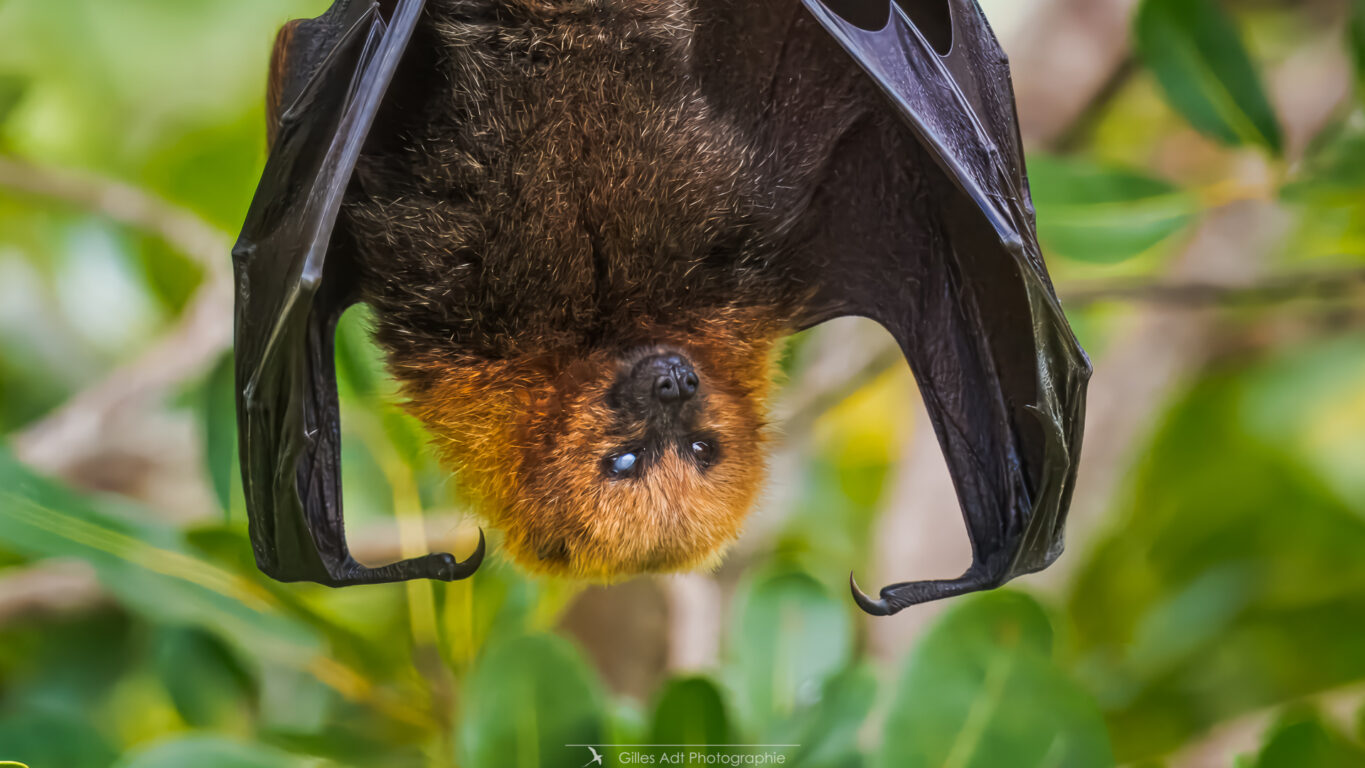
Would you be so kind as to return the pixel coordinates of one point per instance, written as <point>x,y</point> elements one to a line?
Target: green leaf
<point>790,635</point>
<point>981,691</point>
<point>526,699</point>
<point>1360,724</point>
<point>829,734</point>
<point>207,684</point>
<point>1334,175</point>
<point>1302,740</point>
<point>12,89</point>
<point>1329,191</point>
<point>1310,404</point>
<point>359,360</point>
<point>1197,56</point>
<point>218,417</point>
<point>342,743</point>
<point>1104,215</point>
<point>146,565</point>
<point>1355,31</point>
<point>210,752</point>
<point>1232,579</point>
<point>39,737</point>
<point>690,711</point>
<point>67,666</point>
<point>627,722</point>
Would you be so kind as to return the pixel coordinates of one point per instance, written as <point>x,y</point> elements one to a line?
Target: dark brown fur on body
<point>558,196</point>
<point>563,183</point>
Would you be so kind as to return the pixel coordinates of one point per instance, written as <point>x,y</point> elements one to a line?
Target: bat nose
<point>674,379</point>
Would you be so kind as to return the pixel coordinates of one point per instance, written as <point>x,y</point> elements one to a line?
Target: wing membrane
<point>294,279</point>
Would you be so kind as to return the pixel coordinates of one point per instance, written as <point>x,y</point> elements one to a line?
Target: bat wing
<point>294,279</point>
<point>894,122</point>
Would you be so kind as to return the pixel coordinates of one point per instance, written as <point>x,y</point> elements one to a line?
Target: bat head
<point>602,463</point>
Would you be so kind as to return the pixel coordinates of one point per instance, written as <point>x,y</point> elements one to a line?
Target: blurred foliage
<point>1195,52</point>
<point>1228,583</point>
<point>1231,585</point>
<point>984,687</point>
<point>1094,213</point>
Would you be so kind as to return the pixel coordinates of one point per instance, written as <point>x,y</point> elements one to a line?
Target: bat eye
<point>703,452</point>
<point>623,464</point>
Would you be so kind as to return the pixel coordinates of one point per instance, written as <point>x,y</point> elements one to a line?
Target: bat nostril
<point>666,388</point>
<point>688,383</point>
<point>678,384</point>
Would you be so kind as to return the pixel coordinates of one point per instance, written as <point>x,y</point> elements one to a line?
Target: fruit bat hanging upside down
<point>585,225</point>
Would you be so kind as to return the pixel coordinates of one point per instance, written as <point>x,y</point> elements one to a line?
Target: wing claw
<point>441,566</point>
<point>869,606</point>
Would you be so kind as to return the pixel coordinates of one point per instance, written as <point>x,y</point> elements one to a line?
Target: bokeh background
<point>1198,168</point>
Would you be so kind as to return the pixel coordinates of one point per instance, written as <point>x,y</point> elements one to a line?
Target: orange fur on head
<point>527,437</point>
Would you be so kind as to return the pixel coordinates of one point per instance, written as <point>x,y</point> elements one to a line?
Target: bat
<point>585,226</point>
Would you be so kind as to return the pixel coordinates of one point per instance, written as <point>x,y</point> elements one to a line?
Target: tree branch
<point>179,228</point>
<point>87,427</point>
<point>1323,285</point>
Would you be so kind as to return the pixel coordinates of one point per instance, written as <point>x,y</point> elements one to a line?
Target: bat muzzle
<point>662,388</point>
<point>670,379</point>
